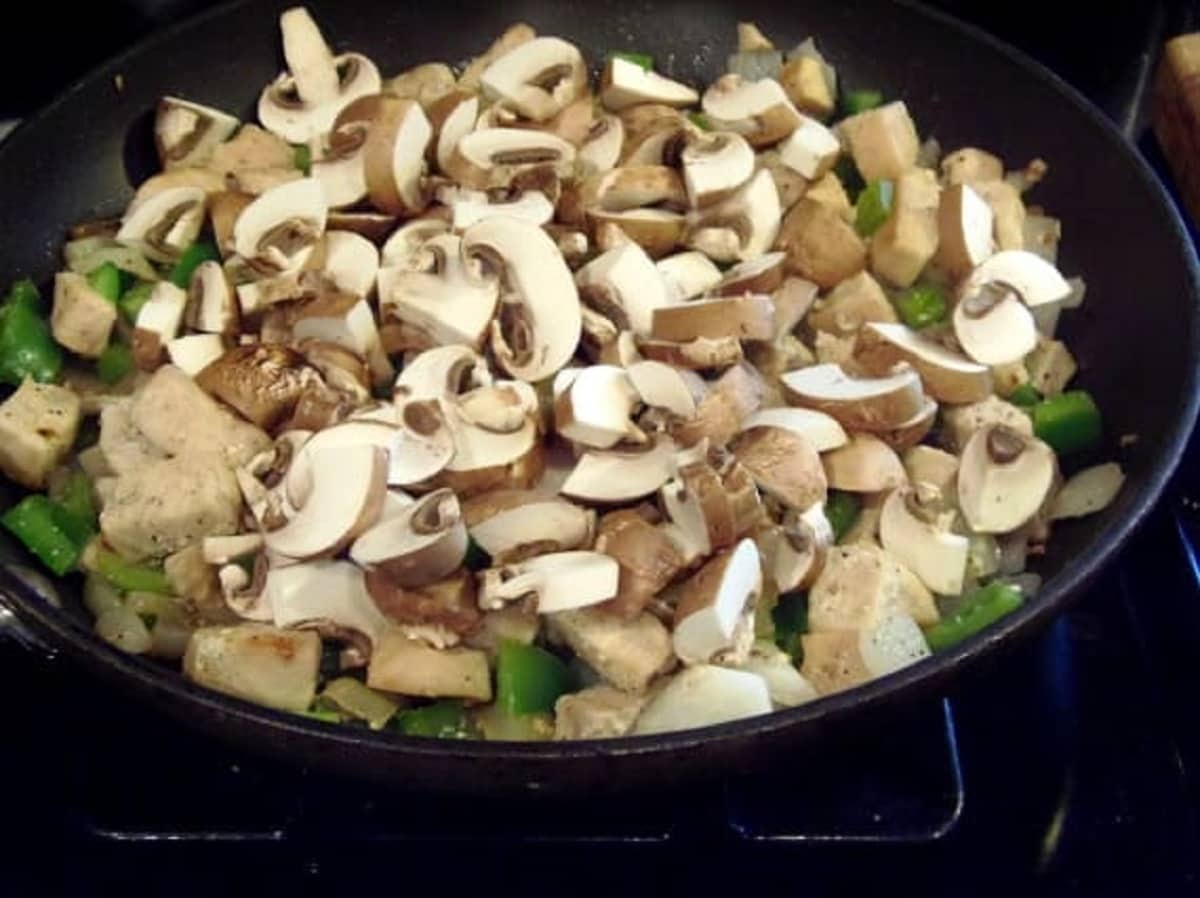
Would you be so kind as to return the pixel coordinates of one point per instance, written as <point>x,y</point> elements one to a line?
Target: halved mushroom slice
<point>821,431</point>
<point>449,300</point>
<point>165,224</point>
<point>327,596</point>
<point>633,187</point>
<point>185,133</point>
<point>157,324</point>
<point>714,601</point>
<point>993,326</point>
<point>714,166</point>
<point>340,168</point>
<point>496,441</point>
<point>403,247</point>
<point>278,231</point>
<point>261,381</point>
<point>761,275</point>
<point>1004,479</point>
<point>624,285</point>
<point>701,516</point>
<point>784,465</point>
<point>746,317</point>
<point>859,403</point>
<point>945,375</point>
<point>443,372</point>
<point>657,231</point>
<point>539,323</point>
<point>348,489</point>
<point>912,532</point>
<point>624,84</point>
<point>758,110</point>
<point>601,150</point>
<point>445,610</point>
<point>193,353</point>
<point>493,157</point>
<point>531,206</point>
<point>211,304</point>
<point>964,230</point>
<point>908,433</point>
<point>621,476</point>
<point>424,444</point>
<point>811,150</point>
<point>347,320</point>
<point>453,117</point>
<point>662,386</point>
<point>423,544</point>
<point>864,465</point>
<point>748,222</point>
<point>595,409</point>
<point>719,415</point>
<point>537,78</point>
<point>394,156</point>
<point>695,355</point>
<point>647,557</point>
<point>688,275</point>
<point>302,103</point>
<point>794,552</point>
<point>559,581</point>
<point>1031,277</point>
<point>511,525</point>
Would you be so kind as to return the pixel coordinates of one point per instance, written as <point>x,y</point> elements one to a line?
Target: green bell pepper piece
<point>27,348</point>
<point>24,293</point>
<point>873,207</point>
<point>325,715</point>
<point>700,120</point>
<point>790,616</point>
<point>981,608</point>
<point>200,251</point>
<point>921,306</point>
<point>47,530</point>
<point>644,60</point>
<point>106,280</point>
<point>133,299</point>
<point>440,720</point>
<point>75,497</point>
<point>302,158</point>
<point>1025,395</point>
<point>856,101</point>
<point>115,363</point>
<point>131,577</point>
<point>1068,423</point>
<point>529,679</point>
<point>841,510</point>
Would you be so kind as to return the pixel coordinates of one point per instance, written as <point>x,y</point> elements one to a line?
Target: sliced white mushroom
<point>714,166</point>
<point>493,157</point>
<point>811,150</point>
<point>402,249</point>
<point>601,150</point>
<point>212,306</point>
<point>163,225</point>
<point>908,433</point>
<point>993,326</point>
<point>195,352</point>
<point>163,312</point>
<point>511,523</point>
<point>426,542</point>
<point>619,476</point>
<point>457,117</point>
<point>912,533</point>
<point>302,103</point>
<point>745,317</point>
<point>394,156</point>
<point>688,274</point>
<point>624,285</point>
<point>278,231</point>
<point>424,444</point>
<point>341,166</point>
<point>1004,478</point>
<point>964,230</point>
<point>866,464</point>
<point>348,489</point>
<point>1089,491</point>
<point>657,231</point>
<point>185,133</point>
<point>351,262</point>
<point>859,403</point>
<point>821,431</point>
<point>713,602</point>
<point>742,227</point>
<point>663,386</point>
<point>348,321</point>
<point>784,465</point>
<point>701,696</point>
<point>538,326</point>
<point>1035,280</point>
<point>497,442</point>
<point>531,206</point>
<point>324,595</point>
<point>758,110</point>
<point>945,375</point>
<point>537,79</point>
<point>220,550</point>
<point>445,371</point>
<point>624,84</point>
<point>300,477</point>
<point>762,275</point>
<point>595,409</point>
<point>794,553</point>
<point>560,581</point>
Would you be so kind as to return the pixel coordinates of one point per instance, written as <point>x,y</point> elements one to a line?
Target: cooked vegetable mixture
<point>503,404</point>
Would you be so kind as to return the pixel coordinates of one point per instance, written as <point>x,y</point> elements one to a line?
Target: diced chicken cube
<point>195,581</point>
<point>1006,378</point>
<point>969,166</point>
<point>832,661</point>
<point>803,78</point>
<point>1009,212</point>
<point>858,587</point>
<point>38,424</point>
<point>627,653</point>
<point>82,320</point>
<point>909,238</point>
<point>883,141</point>
<point>600,712</point>
<point>834,350</point>
<point>410,667</point>
<point>828,191</point>
<point>265,665</point>
<point>124,447</point>
<point>961,421</point>
<point>851,304</point>
<point>1051,367</point>
<point>820,244</point>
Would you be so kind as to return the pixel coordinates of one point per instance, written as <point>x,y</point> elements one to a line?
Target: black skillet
<point>1136,336</point>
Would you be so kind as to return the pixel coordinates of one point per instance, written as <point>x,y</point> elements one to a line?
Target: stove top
<point>1065,766</point>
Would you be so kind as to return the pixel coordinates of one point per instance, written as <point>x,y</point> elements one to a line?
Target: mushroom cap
<point>211,304</point>
<point>624,84</point>
<point>965,224</point>
<point>937,556</point>
<point>819,430</point>
<point>794,552</point>
<point>1035,280</point>
<point>165,223</point>
<point>784,465</point>
<point>714,166</point>
<point>866,464</point>
<point>537,78</point>
<point>752,213</point>
<point>621,476</point>
<point>278,231</point>
<point>262,382</point>
<point>351,262</point>
<point>403,247</point>
<point>945,375</point>
<point>424,543</point>
<point>531,206</point>
<point>647,557</point>
<point>454,117</point>
<point>185,133</point>
<point>657,231</point>
<point>908,433</point>
<point>1004,479</point>
<point>625,285</point>
<point>762,275</point>
<point>688,274</point>
<point>713,602</point>
<point>993,326</point>
<point>859,403</point>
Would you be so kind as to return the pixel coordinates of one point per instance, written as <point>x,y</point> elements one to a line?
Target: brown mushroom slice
<point>864,465</point>
<point>624,84</point>
<point>538,78</point>
<point>819,430</point>
<point>700,512</point>
<point>1035,281</point>
<point>185,133</point>
<point>621,476</point>
<point>858,403</point>
<point>695,355</point>
<point>424,543</point>
<point>908,433</point>
<point>595,409</point>
<point>163,225</point>
<point>689,274</point>
<point>1004,479</point>
<point>657,231</point>
<point>302,103</point>
<point>912,533</point>
<point>758,110</point>
<point>394,156</point>
<point>278,231</point>
<point>601,149</point>
<point>784,465</point>
<point>445,371</point>
<point>714,601</point>
<point>821,245</point>
<point>487,457</point>
<point>647,557</point>
<point>811,150</point>
<point>559,581</point>
<point>964,230</point>
<point>262,382</point>
<point>794,552</point>
<point>448,604</point>
<point>762,275</point>
<point>538,326</point>
<point>625,285</point>
<point>453,117</point>
<point>347,320</point>
<point>211,304</point>
<point>495,156</point>
<point>348,489</point>
<point>714,166</point>
<point>662,386</point>
<point>930,467</point>
<point>993,326</point>
<point>751,215</point>
<point>719,415</point>
<point>945,375</point>
<point>324,595</point>
<point>340,168</point>
<point>746,317</point>
<point>512,524</point>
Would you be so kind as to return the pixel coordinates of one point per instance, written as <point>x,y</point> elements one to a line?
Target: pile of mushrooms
<point>622,338</point>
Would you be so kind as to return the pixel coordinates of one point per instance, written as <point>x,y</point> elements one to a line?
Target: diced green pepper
<point>24,293</point>
<point>129,576</point>
<point>115,363</point>
<point>841,510</point>
<point>440,720</point>
<point>27,348</point>
<point>46,530</point>
<point>529,679</point>
<point>133,299</point>
<point>1069,422</point>
<point>921,306</point>
<point>325,715</point>
<point>75,497</point>
<point>476,559</point>
<point>106,280</point>
<point>873,207</point>
<point>980,609</point>
<point>790,616</point>
<point>200,251</point>
<point>644,60</point>
<point>856,101</point>
<point>700,120</point>
<point>1025,395</point>
<point>302,158</point>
